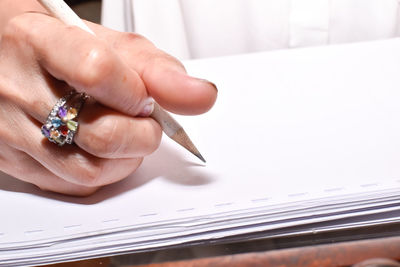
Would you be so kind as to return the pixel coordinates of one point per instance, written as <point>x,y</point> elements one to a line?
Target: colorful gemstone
<point>56,122</point>
<point>54,134</point>
<point>63,130</point>
<point>45,131</point>
<point>62,112</point>
<point>71,114</point>
<point>72,125</point>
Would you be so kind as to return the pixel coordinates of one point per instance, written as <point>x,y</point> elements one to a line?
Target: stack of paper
<point>296,137</point>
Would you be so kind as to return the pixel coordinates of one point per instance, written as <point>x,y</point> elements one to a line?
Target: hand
<point>41,59</point>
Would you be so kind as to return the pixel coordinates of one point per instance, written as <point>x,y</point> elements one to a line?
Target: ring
<point>62,123</point>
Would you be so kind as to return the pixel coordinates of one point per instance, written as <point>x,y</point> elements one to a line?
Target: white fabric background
<point>207,28</point>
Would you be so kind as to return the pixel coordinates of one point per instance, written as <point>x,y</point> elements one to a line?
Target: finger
<point>70,162</point>
<point>102,132</point>
<point>114,136</point>
<point>33,172</point>
<point>79,167</point>
<point>164,76</point>
<point>108,134</point>
<point>83,61</point>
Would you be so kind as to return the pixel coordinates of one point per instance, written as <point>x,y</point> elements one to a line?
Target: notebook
<point>297,138</point>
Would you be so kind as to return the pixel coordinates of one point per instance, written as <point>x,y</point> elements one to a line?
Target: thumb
<point>167,82</point>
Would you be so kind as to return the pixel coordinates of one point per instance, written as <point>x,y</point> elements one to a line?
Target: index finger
<point>83,61</point>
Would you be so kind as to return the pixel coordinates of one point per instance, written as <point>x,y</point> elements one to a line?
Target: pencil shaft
<point>60,10</point>
<point>169,125</point>
<point>175,131</point>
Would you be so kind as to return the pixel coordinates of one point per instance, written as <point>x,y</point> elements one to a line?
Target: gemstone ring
<point>62,124</point>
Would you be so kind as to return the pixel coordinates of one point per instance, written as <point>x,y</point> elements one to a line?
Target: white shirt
<point>208,28</point>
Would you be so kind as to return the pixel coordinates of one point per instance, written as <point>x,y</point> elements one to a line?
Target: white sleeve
<point>162,23</point>
<point>209,28</point>
<point>112,14</point>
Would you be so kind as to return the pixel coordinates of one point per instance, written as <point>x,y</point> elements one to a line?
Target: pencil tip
<point>200,157</point>
<point>172,129</point>
<point>183,139</point>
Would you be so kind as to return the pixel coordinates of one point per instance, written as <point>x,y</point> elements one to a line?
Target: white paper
<point>296,137</point>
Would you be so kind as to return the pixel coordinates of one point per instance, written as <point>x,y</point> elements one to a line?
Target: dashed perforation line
<point>110,221</point>
<point>72,226</point>
<point>33,232</point>
<point>148,214</point>
<point>223,204</point>
<point>185,210</point>
<point>369,185</point>
<point>218,205</point>
<point>260,199</point>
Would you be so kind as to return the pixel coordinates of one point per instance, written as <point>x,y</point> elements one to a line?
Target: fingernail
<point>148,108</point>
<point>210,83</point>
<point>184,75</point>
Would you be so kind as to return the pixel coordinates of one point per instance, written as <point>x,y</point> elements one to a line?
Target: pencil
<point>59,9</point>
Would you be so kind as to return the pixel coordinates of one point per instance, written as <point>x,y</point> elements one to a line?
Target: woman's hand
<point>41,59</point>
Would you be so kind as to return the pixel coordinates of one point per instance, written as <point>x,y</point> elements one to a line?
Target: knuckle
<point>159,59</point>
<point>23,27</point>
<point>97,63</point>
<point>165,58</point>
<point>15,28</point>
<point>12,132</point>
<point>129,38</point>
<point>104,142</point>
<point>134,104</point>
<point>85,170</point>
<point>152,132</point>
<point>90,174</point>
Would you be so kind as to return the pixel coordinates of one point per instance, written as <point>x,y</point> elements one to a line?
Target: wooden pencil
<point>59,9</point>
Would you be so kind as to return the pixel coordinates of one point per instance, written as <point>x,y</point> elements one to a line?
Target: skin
<point>41,59</point>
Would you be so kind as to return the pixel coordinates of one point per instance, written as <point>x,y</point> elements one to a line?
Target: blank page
<point>294,133</point>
